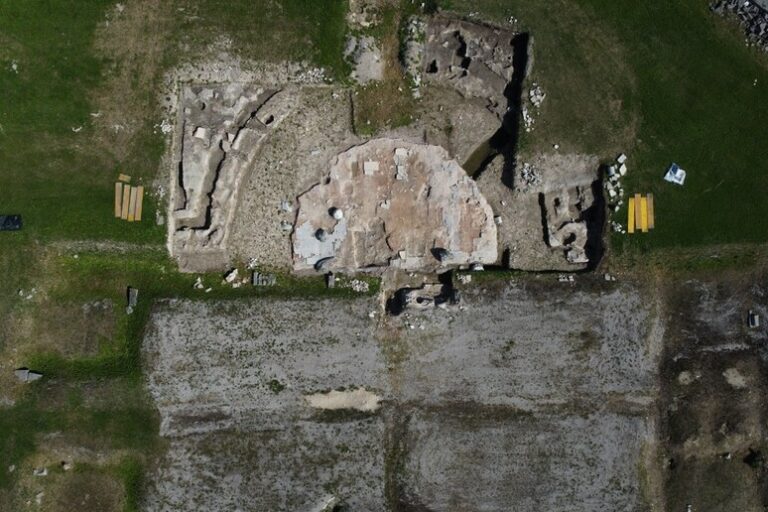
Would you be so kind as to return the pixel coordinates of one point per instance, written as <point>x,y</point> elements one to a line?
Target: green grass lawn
<point>700,108</point>
<point>666,81</point>
<point>54,177</point>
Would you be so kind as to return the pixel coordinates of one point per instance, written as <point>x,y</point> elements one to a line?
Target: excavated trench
<point>504,142</point>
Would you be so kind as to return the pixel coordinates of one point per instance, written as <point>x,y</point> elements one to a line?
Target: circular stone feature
<point>397,203</point>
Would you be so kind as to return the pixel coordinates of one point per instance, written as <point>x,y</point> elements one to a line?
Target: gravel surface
<point>536,392</point>
<point>298,154</point>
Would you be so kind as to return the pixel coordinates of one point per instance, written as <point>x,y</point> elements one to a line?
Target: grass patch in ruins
<point>117,427</point>
<point>131,472</point>
<point>383,105</point>
<point>686,261</point>
<point>98,275</point>
<point>61,182</point>
<point>388,103</point>
<point>19,426</point>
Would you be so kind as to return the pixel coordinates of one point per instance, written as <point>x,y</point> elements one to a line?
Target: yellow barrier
<point>132,205</point>
<point>126,200</point>
<point>139,202</point>
<point>118,199</point>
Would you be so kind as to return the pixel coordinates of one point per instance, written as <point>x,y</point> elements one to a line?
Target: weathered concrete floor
<point>533,397</point>
<point>398,203</point>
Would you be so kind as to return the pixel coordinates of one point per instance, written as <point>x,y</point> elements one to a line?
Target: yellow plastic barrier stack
<point>129,201</point>
<point>640,213</point>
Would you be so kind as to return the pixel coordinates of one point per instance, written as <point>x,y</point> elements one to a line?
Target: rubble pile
<point>233,279</point>
<point>363,14</point>
<point>221,130</point>
<point>613,189</point>
<point>529,176</point>
<point>527,119</point>
<point>389,202</point>
<point>753,16</point>
<point>536,95</point>
<point>358,286</point>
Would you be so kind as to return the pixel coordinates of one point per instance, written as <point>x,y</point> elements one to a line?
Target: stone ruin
<point>393,203</point>
<point>221,129</point>
<point>399,204</point>
<point>426,297</point>
<point>567,228</point>
<point>476,60</point>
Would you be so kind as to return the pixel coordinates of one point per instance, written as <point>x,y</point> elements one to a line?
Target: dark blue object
<point>10,222</point>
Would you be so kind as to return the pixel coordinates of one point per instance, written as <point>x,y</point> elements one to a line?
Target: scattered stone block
<point>26,375</point>
<point>202,133</point>
<point>370,167</point>
<point>231,276</point>
<point>133,299</point>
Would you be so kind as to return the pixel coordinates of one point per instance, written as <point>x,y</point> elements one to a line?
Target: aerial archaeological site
<point>384,255</point>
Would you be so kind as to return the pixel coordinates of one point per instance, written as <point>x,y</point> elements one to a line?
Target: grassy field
<point>80,84</point>
<point>61,180</point>
<point>700,107</point>
<point>663,81</point>
<point>58,179</point>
